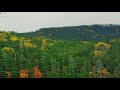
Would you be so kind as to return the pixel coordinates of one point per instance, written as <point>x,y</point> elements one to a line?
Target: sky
<point>32,21</point>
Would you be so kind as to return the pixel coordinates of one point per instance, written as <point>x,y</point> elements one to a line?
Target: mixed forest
<point>61,52</point>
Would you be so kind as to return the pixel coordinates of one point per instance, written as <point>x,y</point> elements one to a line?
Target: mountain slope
<point>84,32</point>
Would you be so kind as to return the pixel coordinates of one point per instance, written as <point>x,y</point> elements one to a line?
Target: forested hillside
<point>84,32</point>
<point>65,52</point>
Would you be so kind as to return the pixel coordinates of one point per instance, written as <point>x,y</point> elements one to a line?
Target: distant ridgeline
<point>84,32</point>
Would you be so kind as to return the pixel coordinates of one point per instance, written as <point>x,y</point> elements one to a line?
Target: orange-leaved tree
<point>24,73</point>
<point>37,73</point>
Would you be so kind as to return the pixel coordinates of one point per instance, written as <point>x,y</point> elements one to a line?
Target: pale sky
<point>32,21</point>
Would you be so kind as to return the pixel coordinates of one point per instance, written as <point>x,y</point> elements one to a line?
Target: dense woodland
<point>84,32</point>
<point>62,52</point>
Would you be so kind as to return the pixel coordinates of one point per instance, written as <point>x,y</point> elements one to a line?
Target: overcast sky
<point>32,21</point>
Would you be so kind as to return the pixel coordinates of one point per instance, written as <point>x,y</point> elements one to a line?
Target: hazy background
<point>32,21</point>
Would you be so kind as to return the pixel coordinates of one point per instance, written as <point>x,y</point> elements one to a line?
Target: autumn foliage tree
<point>37,73</point>
<point>24,73</point>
